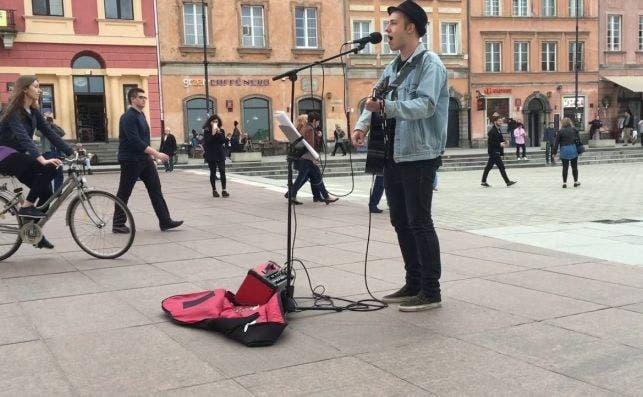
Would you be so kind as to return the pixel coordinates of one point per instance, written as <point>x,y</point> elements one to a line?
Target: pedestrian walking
<point>339,140</point>
<point>628,125</point>
<point>566,143</point>
<point>215,141</point>
<point>495,149</point>
<point>595,127</point>
<point>168,146</point>
<point>521,141</point>
<point>135,158</point>
<point>550,139</point>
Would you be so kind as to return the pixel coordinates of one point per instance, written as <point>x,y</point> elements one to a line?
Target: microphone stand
<point>288,295</point>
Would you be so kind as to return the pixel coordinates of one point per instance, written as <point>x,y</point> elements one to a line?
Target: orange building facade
<point>523,58</point>
<point>620,61</point>
<point>446,35</point>
<point>86,55</point>
<point>247,43</point>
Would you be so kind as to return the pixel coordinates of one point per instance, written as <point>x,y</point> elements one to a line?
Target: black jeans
<point>213,173</point>
<point>341,146</point>
<point>409,191</point>
<point>549,155</point>
<point>523,147</point>
<point>574,162</point>
<point>376,192</point>
<point>497,160</point>
<point>131,171</point>
<point>30,172</point>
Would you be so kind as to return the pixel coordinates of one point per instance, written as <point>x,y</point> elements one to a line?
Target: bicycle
<point>90,216</point>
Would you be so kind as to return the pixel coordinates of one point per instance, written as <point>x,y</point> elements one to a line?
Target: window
<point>572,56</point>
<point>549,8</point>
<point>86,62</point>
<point>426,39</point>
<point>577,115</point>
<point>252,27</point>
<point>549,57</point>
<point>256,119</point>
<point>572,8</point>
<point>613,32</point>
<point>126,88</point>
<point>92,84</point>
<point>47,7</point>
<point>119,9</point>
<point>640,33</point>
<point>193,24</point>
<point>492,8</point>
<point>363,29</point>
<point>47,99</point>
<point>386,49</point>
<point>521,56</point>
<point>196,115</point>
<point>492,57</point>
<point>448,38</point>
<point>520,8</point>
<point>306,27</point>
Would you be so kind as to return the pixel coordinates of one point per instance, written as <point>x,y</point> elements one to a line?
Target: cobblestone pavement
<point>536,211</point>
<point>516,319</point>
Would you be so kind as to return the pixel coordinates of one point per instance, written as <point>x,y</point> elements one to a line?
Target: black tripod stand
<point>294,154</point>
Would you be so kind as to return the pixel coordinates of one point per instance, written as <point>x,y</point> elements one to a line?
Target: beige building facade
<point>523,58</point>
<point>621,61</point>
<point>248,43</point>
<point>446,36</point>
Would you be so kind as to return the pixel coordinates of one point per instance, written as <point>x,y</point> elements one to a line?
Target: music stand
<point>295,151</point>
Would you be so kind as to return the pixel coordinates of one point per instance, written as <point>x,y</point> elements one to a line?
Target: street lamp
<point>576,64</point>
<point>205,59</point>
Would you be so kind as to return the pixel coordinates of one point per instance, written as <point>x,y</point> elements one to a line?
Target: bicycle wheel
<point>91,220</point>
<point>9,229</point>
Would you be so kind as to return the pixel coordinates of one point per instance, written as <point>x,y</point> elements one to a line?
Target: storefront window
<point>569,110</point>
<point>499,106</point>
<point>196,114</point>
<point>256,119</point>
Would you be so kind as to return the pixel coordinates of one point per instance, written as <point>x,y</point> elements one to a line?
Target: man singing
<point>417,114</point>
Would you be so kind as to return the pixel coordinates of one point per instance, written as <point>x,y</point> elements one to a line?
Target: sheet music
<point>284,123</point>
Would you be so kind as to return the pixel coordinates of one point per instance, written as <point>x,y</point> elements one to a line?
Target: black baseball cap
<point>414,12</point>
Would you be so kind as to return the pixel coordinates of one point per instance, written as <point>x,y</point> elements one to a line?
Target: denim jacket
<point>421,109</point>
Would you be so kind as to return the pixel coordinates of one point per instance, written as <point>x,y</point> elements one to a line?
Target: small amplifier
<point>260,284</point>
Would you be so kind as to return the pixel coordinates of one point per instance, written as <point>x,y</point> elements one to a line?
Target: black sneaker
<point>44,243</point>
<point>120,229</point>
<point>225,194</point>
<point>485,184</point>
<point>215,193</point>
<point>375,210</point>
<point>576,184</point>
<point>402,295</point>
<point>511,183</point>
<point>31,212</point>
<point>421,302</point>
<point>171,225</point>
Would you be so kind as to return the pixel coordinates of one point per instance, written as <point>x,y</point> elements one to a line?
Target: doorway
<point>453,129</point>
<point>90,118</point>
<point>536,117</point>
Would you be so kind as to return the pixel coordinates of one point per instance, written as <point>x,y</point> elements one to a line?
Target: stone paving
<point>517,318</point>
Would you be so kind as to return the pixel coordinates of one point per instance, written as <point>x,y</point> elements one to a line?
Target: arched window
<point>86,62</point>
<point>196,114</point>
<point>256,118</point>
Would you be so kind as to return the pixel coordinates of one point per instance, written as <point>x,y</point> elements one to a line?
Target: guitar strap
<point>404,72</point>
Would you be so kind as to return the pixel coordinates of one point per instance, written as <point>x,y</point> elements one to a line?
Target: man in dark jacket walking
<point>495,148</point>
<point>135,157</point>
<point>549,138</point>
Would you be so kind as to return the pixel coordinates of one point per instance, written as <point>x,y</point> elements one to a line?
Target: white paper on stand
<point>284,123</point>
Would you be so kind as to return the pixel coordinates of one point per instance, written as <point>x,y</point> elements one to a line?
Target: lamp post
<point>576,65</point>
<point>206,82</point>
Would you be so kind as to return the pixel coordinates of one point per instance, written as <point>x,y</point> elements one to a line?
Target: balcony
<point>7,27</point>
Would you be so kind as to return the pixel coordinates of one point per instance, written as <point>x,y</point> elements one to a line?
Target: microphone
<point>372,38</point>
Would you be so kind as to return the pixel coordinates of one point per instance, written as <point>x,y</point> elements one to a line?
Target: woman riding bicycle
<point>19,156</point>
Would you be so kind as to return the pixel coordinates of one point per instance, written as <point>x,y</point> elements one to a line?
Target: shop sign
<point>491,91</point>
<point>236,82</point>
<point>570,102</point>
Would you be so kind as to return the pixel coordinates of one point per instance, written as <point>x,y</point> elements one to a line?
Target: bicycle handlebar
<point>77,158</point>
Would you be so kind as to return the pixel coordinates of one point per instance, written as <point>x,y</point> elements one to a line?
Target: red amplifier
<point>260,284</point>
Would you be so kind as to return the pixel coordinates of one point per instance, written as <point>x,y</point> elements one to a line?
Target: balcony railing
<point>7,20</point>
